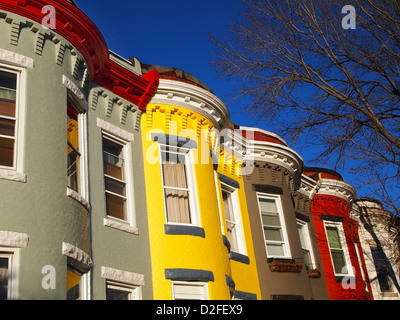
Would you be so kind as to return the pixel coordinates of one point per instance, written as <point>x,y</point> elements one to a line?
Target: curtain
<point>177,201</point>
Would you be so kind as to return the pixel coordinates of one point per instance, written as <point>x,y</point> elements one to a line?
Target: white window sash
<point>285,242</point>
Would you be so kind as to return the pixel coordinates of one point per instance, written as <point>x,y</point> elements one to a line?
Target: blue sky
<point>174,33</point>
<point>170,33</point>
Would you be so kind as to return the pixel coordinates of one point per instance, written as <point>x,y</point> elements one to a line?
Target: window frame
<point>186,296</point>
<point>81,116</point>
<point>134,291</point>
<point>306,234</point>
<point>285,243</point>
<point>19,131</point>
<point>237,215</point>
<point>190,181</point>
<point>13,278</point>
<point>127,179</point>
<point>345,249</point>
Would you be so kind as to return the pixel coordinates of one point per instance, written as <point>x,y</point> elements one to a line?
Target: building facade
<point>70,113</point>
<point>121,180</point>
<point>288,261</point>
<point>338,238</point>
<point>379,236</point>
<point>200,238</point>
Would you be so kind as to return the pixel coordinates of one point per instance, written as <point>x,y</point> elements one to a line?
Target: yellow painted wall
<point>244,275</point>
<point>185,251</point>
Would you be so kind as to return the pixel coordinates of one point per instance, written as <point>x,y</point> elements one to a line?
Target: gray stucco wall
<point>40,207</point>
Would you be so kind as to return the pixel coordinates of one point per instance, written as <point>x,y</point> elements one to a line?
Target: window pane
<point>115,294</point>
<point>113,159</point>
<point>7,107</point>
<point>227,201</point>
<point>275,250</point>
<point>113,170</point>
<point>189,292</point>
<point>177,202</point>
<point>115,186</point>
<point>267,205</point>
<point>273,234</point>
<point>72,171</point>
<point>300,228</point>
<point>7,127</point>
<point>338,261</point>
<point>115,206</point>
<point>6,152</point>
<point>8,80</point>
<point>271,220</point>
<point>73,285</point>
<point>4,278</point>
<point>333,237</point>
<point>174,174</point>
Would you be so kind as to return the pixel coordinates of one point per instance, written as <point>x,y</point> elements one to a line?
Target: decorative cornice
<point>194,98</point>
<point>71,23</point>
<point>74,26</point>
<point>275,154</point>
<point>337,188</point>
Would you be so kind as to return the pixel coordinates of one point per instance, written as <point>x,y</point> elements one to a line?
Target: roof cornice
<point>74,26</point>
<point>194,98</point>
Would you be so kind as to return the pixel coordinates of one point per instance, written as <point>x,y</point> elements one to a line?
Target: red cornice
<point>82,33</point>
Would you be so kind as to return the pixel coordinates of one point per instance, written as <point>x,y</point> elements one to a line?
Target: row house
<point>69,134</point>
<point>122,180</point>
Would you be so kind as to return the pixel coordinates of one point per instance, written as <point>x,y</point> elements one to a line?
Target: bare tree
<point>315,81</point>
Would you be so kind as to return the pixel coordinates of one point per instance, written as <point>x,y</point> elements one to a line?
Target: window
<point>177,185</point>
<point>232,218</point>
<point>73,149</point>
<point>74,284</point>
<point>274,227</point>
<point>5,276</point>
<point>118,291</point>
<point>115,178</point>
<point>189,291</point>
<point>305,243</point>
<point>337,247</point>
<point>8,118</point>
<point>382,266</point>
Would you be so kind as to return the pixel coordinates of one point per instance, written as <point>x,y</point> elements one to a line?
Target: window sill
<point>76,196</point>
<point>13,175</point>
<point>239,257</point>
<point>188,230</point>
<point>120,225</point>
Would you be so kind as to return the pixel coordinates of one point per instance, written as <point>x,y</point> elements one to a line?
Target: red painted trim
<point>82,33</point>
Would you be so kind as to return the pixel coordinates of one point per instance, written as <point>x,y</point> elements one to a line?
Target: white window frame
<point>82,164</point>
<point>128,178</point>
<point>188,296</point>
<point>342,238</point>
<point>20,102</point>
<point>307,239</point>
<point>191,184</point>
<point>84,285</point>
<point>134,292</point>
<point>233,192</point>
<point>278,202</point>
<point>13,255</point>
